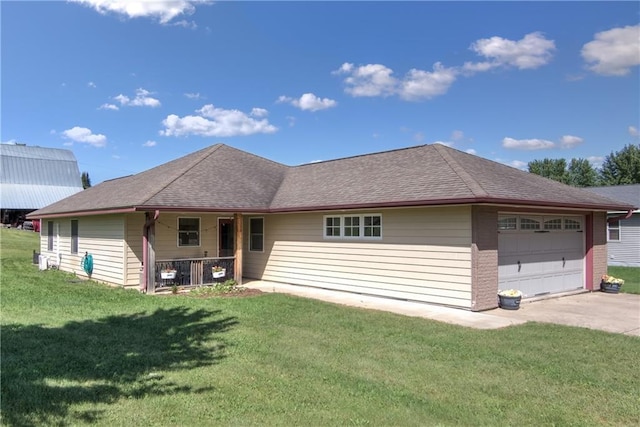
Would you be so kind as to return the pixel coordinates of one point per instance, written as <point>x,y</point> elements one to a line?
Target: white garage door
<point>540,254</point>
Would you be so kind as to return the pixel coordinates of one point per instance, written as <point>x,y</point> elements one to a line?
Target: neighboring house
<point>34,177</point>
<point>426,223</point>
<point>623,228</point>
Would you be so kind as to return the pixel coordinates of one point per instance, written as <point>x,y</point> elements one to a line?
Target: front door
<point>225,237</point>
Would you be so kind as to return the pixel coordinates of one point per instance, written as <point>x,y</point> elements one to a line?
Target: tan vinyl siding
<point>133,248</point>
<point>166,243</point>
<point>101,236</point>
<point>424,255</point>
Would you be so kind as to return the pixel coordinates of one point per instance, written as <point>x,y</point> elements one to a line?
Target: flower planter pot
<point>509,302</point>
<point>167,275</point>
<point>219,274</point>
<point>610,288</point>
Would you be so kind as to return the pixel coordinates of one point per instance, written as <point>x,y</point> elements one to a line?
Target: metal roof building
<point>34,177</point>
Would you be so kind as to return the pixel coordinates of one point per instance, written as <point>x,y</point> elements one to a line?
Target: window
<point>188,231</point>
<point>529,223</point>
<point>49,235</point>
<point>372,226</point>
<point>332,226</point>
<point>74,236</point>
<point>507,223</point>
<point>613,231</point>
<point>572,224</point>
<point>256,234</point>
<point>553,223</point>
<point>353,226</point>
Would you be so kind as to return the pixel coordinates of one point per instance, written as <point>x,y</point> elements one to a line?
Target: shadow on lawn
<point>46,370</point>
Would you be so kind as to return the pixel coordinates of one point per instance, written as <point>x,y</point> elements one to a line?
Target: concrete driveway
<point>619,313</point>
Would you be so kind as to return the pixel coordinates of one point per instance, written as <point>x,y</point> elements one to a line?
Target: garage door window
<point>529,223</point>
<point>543,223</point>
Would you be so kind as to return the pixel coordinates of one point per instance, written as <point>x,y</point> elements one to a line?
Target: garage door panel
<point>541,262</point>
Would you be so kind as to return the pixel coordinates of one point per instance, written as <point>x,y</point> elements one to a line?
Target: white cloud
<point>162,10</point>
<point>527,144</point>
<point>291,120</point>
<point>418,137</point>
<point>471,151</point>
<point>633,131</point>
<point>142,99</point>
<point>195,95</point>
<point>532,51</point>
<point>108,107</point>
<point>518,164</point>
<point>309,102</point>
<point>115,156</point>
<point>613,52</point>
<point>212,121</point>
<point>570,141</point>
<point>10,142</point>
<point>368,80</point>
<point>91,85</point>
<point>84,135</point>
<point>419,84</point>
<point>150,144</point>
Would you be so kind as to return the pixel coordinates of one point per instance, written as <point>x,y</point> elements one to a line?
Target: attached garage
<point>541,254</point>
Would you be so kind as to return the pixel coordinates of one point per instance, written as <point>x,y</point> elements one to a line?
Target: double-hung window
<point>613,231</point>
<point>49,235</point>
<point>74,236</point>
<point>188,231</point>
<point>365,226</point>
<point>256,234</point>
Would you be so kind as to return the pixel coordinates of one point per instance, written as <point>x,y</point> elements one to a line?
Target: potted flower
<point>509,299</point>
<point>610,284</point>
<point>218,271</point>
<point>168,273</point>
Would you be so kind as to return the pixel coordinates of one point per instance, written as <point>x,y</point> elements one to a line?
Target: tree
<point>582,174</point>
<point>86,181</point>
<point>621,167</point>
<point>555,169</point>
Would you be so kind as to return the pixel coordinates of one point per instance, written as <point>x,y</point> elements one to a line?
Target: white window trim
<point>361,226</point>
<point>619,228</point>
<point>199,231</point>
<point>542,218</point>
<point>251,233</point>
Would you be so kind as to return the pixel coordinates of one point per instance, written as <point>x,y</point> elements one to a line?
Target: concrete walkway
<point>618,313</point>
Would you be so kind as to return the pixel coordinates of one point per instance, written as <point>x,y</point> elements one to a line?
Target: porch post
<point>151,259</point>
<point>237,271</point>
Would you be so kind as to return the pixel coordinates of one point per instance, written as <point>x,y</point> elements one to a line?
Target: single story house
<point>426,223</point>
<point>33,177</point>
<point>623,228</point>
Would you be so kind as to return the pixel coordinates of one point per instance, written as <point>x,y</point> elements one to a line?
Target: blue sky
<point>130,85</point>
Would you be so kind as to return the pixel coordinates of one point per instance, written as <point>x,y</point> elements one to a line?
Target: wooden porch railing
<point>192,271</point>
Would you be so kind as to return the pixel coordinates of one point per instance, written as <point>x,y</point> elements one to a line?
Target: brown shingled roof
<point>222,178</point>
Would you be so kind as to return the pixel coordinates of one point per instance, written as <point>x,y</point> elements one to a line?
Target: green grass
<point>631,276</point>
<point>80,353</point>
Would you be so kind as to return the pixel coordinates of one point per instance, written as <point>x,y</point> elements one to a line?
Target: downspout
<point>620,217</point>
<point>149,222</point>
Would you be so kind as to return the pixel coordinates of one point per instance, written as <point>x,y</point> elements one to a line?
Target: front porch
<point>192,272</point>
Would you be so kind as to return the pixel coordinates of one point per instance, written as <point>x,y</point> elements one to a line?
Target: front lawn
<point>81,353</point>
<point>631,276</point>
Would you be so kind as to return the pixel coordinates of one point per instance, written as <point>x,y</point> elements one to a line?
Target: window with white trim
<point>74,236</point>
<point>256,234</point>
<point>367,226</point>
<point>572,224</point>
<point>613,231</point>
<point>527,223</point>
<point>552,223</point>
<point>332,226</point>
<point>188,231</point>
<point>49,235</point>
<point>507,223</point>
